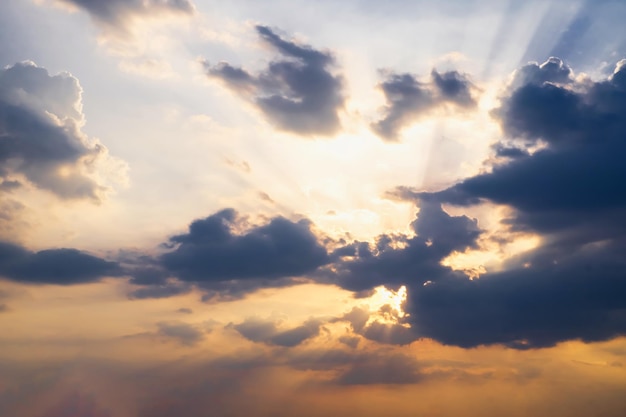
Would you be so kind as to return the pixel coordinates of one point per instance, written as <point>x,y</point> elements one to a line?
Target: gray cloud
<point>267,331</point>
<point>397,260</point>
<point>116,13</point>
<point>408,99</point>
<point>183,333</point>
<point>297,92</point>
<point>213,251</point>
<point>53,266</point>
<point>227,259</point>
<point>554,70</point>
<point>570,192</point>
<point>40,137</point>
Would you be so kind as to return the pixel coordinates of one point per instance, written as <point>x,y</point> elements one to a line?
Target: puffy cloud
<point>226,258</point>
<point>577,174</point>
<point>407,98</point>
<point>569,190</point>
<point>554,70</point>
<point>297,92</point>
<point>397,260</point>
<point>53,266</point>
<point>212,250</point>
<point>40,137</point>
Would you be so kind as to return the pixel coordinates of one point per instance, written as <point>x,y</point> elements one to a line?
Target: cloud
<point>565,184</point>
<point>296,92</point>
<point>397,260</point>
<point>227,259</point>
<point>554,70</point>
<point>183,333</point>
<point>41,141</point>
<point>576,175</point>
<point>266,331</point>
<point>408,99</point>
<point>116,14</point>
<point>53,266</point>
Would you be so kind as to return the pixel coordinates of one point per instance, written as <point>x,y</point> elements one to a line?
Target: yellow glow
<point>388,305</point>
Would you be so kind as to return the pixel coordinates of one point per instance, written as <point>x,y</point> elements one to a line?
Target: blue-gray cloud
<point>296,92</point>
<point>41,142</point>
<point>225,264</point>
<point>408,99</point>
<point>570,191</point>
<point>53,266</point>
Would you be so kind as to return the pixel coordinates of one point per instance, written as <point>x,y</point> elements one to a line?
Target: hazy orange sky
<point>355,208</point>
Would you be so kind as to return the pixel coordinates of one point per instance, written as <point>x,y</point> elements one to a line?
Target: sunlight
<point>388,304</point>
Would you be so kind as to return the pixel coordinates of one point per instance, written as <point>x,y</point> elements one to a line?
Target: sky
<point>278,208</point>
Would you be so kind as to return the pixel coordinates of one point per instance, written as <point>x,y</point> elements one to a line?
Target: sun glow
<point>388,305</point>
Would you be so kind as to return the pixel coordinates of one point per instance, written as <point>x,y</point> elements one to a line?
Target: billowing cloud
<point>397,260</point>
<point>297,92</point>
<point>226,258</point>
<point>408,98</point>
<point>41,142</point>
<point>116,14</point>
<point>565,183</point>
<point>53,266</point>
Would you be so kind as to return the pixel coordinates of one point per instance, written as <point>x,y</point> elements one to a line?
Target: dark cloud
<point>551,71</point>
<point>538,306</point>
<point>577,175</point>
<point>40,137</point>
<point>223,260</point>
<point>117,13</point>
<point>226,258</point>
<point>570,191</point>
<point>183,333</point>
<point>407,98</point>
<point>53,266</point>
<point>266,331</point>
<point>296,92</point>
<point>397,260</point>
